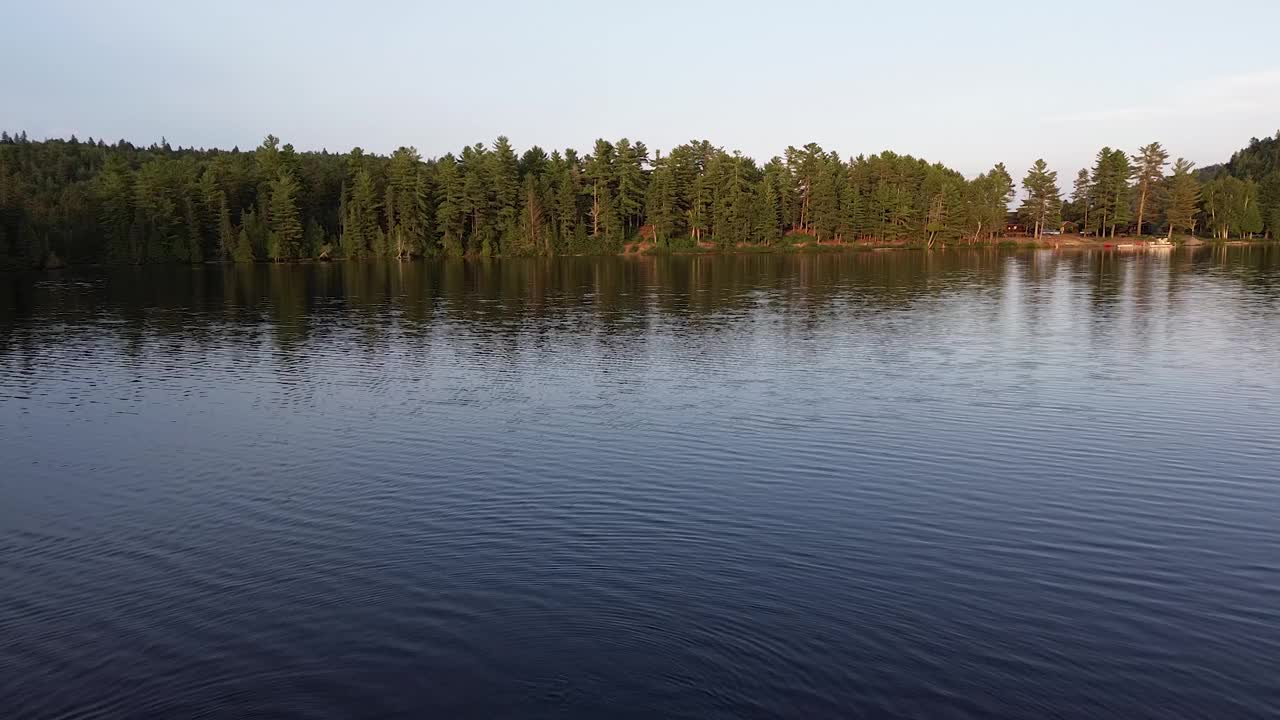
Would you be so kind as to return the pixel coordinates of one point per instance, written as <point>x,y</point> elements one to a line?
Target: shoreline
<point>648,249</point>
<point>1064,242</point>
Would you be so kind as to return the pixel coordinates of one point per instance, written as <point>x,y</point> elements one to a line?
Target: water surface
<point>963,484</point>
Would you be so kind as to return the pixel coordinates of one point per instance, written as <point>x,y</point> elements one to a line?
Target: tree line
<point>88,201</point>
<point>1142,193</point>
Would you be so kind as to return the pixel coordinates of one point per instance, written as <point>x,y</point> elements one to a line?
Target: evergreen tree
<point>477,207</point>
<point>450,217</point>
<point>1080,199</point>
<point>824,204</point>
<point>1148,171</point>
<point>1043,205</point>
<point>568,191</point>
<point>115,194</point>
<point>226,233</point>
<point>193,252</point>
<point>765,229</point>
<point>1110,189</point>
<point>1182,198</point>
<point>505,176</point>
<point>313,244</point>
<point>661,203</point>
<point>244,248</point>
<point>600,174</point>
<point>944,219</point>
<point>406,204</point>
<point>631,180</point>
<point>853,209</point>
<point>361,221</point>
<point>285,240</point>
<point>534,237</point>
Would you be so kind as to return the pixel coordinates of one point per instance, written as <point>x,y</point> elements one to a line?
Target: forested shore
<point>74,201</point>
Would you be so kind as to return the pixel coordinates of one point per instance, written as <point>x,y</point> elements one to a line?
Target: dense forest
<point>87,201</point>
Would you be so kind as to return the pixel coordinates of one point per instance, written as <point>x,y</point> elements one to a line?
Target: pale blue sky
<point>964,83</point>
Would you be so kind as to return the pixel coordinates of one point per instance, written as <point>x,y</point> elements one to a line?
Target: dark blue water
<point>947,485</point>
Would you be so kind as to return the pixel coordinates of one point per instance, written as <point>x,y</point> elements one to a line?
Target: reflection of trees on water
<point>614,303</point>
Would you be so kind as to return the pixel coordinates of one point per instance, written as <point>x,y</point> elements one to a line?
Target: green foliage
<point>1148,171</point>
<point>504,177</point>
<point>1231,207</point>
<point>1260,163</point>
<point>244,248</point>
<point>1078,210</point>
<point>987,203</point>
<point>88,202</point>
<point>1182,196</point>
<point>284,242</point>
<point>313,240</point>
<point>360,215</point>
<point>226,233</point>
<point>406,204</point>
<point>1110,190</point>
<point>631,182</point>
<point>1042,207</point>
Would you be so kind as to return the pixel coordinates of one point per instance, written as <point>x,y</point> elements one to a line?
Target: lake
<point>950,484</point>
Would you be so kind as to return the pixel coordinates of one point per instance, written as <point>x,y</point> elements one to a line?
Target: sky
<point>967,84</point>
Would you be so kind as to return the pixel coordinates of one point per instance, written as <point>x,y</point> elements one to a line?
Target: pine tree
<point>600,174</point>
<point>944,217</point>
<point>1043,204</point>
<point>285,240</point>
<point>1110,189</point>
<point>361,219</point>
<point>1080,199</point>
<point>853,209</point>
<point>450,218</point>
<point>226,233</point>
<point>534,239</point>
<point>824,204</point>
<point>702,199</point>
<point>1148,171</point>
<point>244,248</point>
<point>406,203</point>
<point>115,198</point>
<point>505,176</point>
<point>568,191</point>
<point>631,181</point>
<point>661,203</point>
<point>1182,198</point>
<point>477,206</point>
<point>193,252</point>
<point>313,244</point>
<point>765,216</point>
